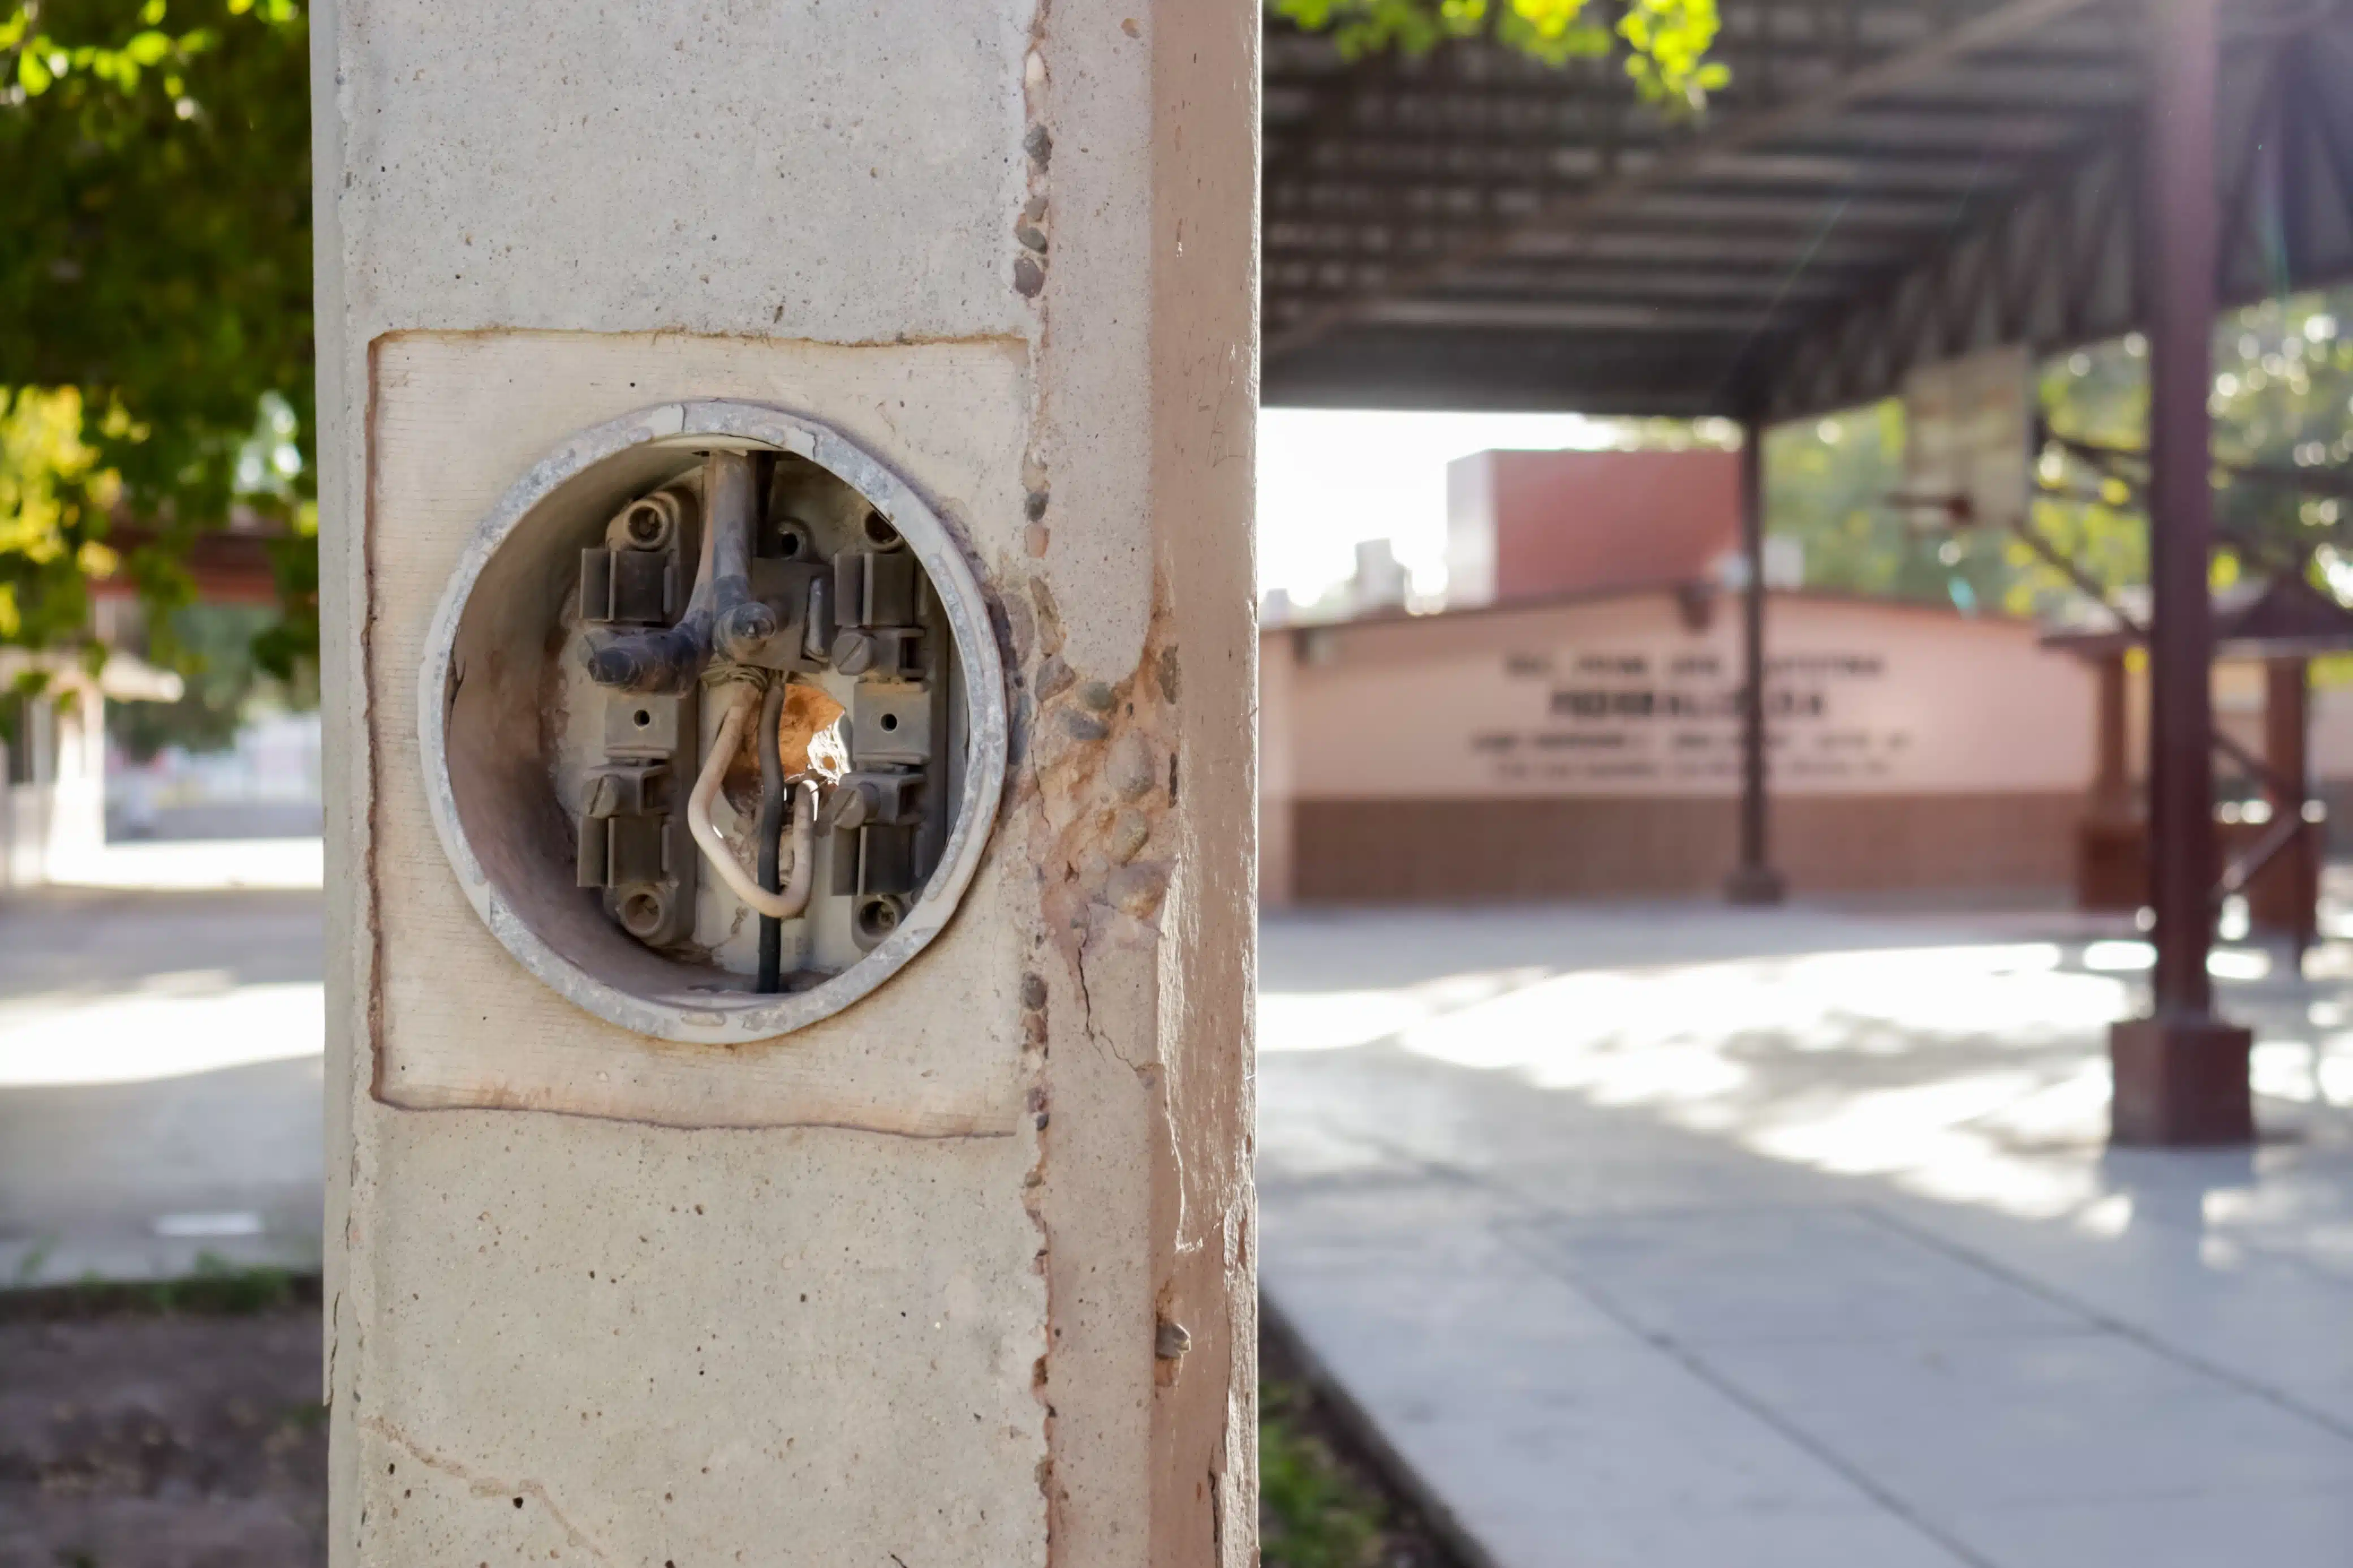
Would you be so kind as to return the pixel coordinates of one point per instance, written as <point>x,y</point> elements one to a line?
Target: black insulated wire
<point>772,830</point>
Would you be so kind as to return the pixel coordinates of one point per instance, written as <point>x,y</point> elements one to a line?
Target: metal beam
<point>1720,290</point>
<point>1922,130</point>
<point>1753,879</point>
<point>1929,304</point>
<point>1511,85</point>
<point>1514,176</point>
<point>2012,20</point>
<point>1643,375</point>
<point>2085,287</point>
<point>2181,1074</point>
<point>1565,315</point>
<point>1555,282</point>
<point>1995,100</point>
<point>1867,226</point>
<point>1725,212</point>
<point>2180,250</point>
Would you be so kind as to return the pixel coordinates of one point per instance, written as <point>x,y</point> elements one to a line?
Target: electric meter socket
<point>713,721</point>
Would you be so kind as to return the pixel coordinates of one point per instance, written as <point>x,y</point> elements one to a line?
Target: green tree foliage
<point>226,684</point>
<point>1665,42</point>
<point>1828,484</point>
<point>53,499</point>
<point>2094,517</point>
<point>2282,412</point>
<point>155,345</point>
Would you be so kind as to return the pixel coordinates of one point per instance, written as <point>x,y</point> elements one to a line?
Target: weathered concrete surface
<point>457,416</point>
<point>825,1343</point>
<point>1674,1236</point>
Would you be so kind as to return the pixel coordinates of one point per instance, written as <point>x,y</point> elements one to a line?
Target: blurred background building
<point>1560,720</point>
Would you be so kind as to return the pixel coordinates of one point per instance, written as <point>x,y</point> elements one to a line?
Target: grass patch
<point>1313,1513</point>
<point>217,1289</point>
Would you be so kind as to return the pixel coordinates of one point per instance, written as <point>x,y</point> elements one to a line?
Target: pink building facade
<point>1586,746</point>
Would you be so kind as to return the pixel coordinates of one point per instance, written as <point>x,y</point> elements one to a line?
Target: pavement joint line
<point>1505,1173</point>
<point>1529,1210</point>
<point>2088,1326</point>
<point>1685,1356</point>
<point>1682,1355</point>
<point>2123,1329</point>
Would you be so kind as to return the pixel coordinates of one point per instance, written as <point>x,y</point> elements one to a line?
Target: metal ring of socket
<point>533,512</point>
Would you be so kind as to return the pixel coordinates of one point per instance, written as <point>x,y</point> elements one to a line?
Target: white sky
<point>1328,478</point>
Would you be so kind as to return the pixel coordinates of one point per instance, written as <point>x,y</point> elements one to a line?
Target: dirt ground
<point>179,1426</point>
<point>162,1429</point>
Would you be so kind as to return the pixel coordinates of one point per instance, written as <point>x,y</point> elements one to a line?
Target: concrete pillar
<point>963,1275</point>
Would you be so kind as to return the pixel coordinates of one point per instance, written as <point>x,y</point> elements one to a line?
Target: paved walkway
<point>160,1065</point>
<point>1689,1236</point>
<point>1654,1236</point>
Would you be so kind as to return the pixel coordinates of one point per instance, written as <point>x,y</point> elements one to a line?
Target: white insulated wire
<point>783,906</point>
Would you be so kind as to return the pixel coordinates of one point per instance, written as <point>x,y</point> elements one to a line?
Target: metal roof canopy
<point>1883,185</point>
<point>2278,617</point>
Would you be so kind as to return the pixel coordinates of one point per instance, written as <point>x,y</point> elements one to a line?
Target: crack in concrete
<point>334,1344</point>
<point>486,1487</point>
<point>1087,1008</point>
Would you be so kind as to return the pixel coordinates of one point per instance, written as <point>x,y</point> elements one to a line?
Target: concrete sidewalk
<point>160,1067</point>
<point>1670,1237</point>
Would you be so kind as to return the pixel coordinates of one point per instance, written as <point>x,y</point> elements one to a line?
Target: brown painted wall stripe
<point>1455,850</point>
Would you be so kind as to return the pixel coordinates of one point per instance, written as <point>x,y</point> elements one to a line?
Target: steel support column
<point>2181,1072</point>
<point>1753,880</point>
<point>2283,898</point>
<point>2112,786</point>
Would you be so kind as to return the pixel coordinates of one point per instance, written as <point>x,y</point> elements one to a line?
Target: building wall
<point>1417,851</point>
<point>1530,525</point>
<point>2332,733</point>
<point>1277,777</point>
<point>2331,757</point>
<point>1590,749</point>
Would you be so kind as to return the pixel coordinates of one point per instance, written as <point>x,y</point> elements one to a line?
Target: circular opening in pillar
<point>713,721</point>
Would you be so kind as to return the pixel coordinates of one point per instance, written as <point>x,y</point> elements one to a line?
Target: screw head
<point>641,912</point>
<point>746,626</point>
